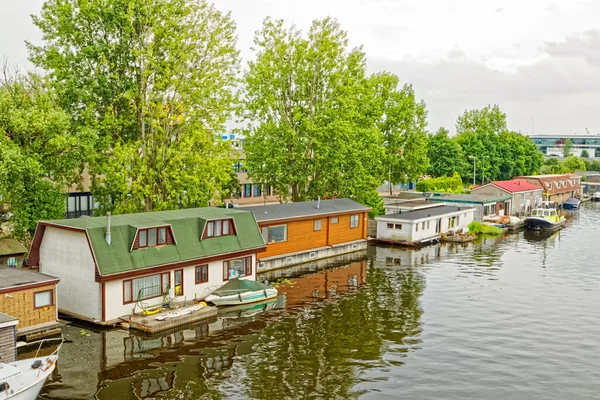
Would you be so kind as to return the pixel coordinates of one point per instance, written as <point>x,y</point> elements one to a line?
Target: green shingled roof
<point>187,227</point>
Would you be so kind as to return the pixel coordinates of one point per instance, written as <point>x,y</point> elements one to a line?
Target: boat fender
<point>265,292</point>
<point>240,297</point>
<point>36,364</point>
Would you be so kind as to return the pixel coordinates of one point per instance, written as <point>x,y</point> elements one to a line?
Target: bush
<point>451,184</point>
<point>479,228</point>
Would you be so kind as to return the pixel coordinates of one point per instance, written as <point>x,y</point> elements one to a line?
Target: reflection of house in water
<point>325,284</point>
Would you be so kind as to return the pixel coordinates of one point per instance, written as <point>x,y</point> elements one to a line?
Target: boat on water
<point>241,291</point>
<point>571,203</point>
<point>596,196</point>
<point>23,379</point>
<point>547,219</point>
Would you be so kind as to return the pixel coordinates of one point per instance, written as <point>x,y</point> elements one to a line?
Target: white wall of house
<point>116,308</point>
<point>66,255</point>
<point>425,228</point>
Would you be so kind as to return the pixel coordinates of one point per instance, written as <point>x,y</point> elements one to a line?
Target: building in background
<point>552,145</point>
<point>12,253</point>
<point>249,191</point>
<point>524,195</point>
<point>558,187</point>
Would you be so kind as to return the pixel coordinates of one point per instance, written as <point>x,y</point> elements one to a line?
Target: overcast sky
<point>537,59</point>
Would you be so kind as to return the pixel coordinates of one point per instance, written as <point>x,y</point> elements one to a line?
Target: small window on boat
<point>399,227</point>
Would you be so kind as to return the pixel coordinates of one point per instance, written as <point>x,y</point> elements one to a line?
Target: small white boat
<point>241,291</point>
<point>596,196</point>
<point>179,313</point>
<point>23,379</point>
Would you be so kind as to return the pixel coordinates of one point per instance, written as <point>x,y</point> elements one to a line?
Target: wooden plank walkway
<point>149,323</point>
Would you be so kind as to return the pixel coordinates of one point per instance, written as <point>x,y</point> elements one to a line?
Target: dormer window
<point>151,237</point>
<point>221,227</point>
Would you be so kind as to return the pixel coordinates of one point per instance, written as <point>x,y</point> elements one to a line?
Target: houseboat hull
<point>596,196</point>
<point>541,224</point>
<point>32,379</point>
<point>243,298</point>
<point>572,204</point>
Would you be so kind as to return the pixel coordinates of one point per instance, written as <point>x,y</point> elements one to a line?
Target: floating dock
<point>158,323</point>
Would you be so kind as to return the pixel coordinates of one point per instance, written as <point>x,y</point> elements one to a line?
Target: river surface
<point>516,317</point>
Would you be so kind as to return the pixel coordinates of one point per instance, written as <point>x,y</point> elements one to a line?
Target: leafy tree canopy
<point>41,151</point>
<point>155,80</point>
<point>445,155</point>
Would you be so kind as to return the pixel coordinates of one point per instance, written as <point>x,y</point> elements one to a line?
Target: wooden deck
<point>149,323</point>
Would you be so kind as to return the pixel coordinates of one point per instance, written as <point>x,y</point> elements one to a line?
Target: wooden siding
<point>302,237</point>
<point>21,306</point>
<point>7,344</point>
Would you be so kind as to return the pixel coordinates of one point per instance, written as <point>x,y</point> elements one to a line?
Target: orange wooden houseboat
<point>306,231</point>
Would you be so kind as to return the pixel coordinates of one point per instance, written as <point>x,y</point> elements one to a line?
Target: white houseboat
<point>423,226</point>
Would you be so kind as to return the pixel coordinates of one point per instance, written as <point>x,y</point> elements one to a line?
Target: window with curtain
<point>354,221</point>
<point>201,274</point>
<point>145,287</point>
<point>243,266</point>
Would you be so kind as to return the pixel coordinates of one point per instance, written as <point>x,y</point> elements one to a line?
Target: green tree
<point>585,154</point>
<point>402,121</point>
<point>489,119</point>
<point>572,164</point>
<point>156,81</point>
<point>445,155</point>
<point>567,147</point>
<point>312,130</point>
<point>40,151</point>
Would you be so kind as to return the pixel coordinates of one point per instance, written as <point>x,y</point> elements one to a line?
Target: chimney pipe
<point>318,202</point>
<point>107,235</point>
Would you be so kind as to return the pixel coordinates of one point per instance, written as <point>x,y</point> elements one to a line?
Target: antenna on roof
<point>107,235</point>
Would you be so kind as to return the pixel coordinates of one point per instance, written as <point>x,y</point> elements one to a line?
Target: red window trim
<point>35,306</point>
<point>232,230</point>
<point>130,281</point>
<point>157,228</point>
<point>248,267</point>
<point>196,274</point>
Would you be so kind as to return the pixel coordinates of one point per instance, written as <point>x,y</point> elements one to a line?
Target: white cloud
<point>535,58</point>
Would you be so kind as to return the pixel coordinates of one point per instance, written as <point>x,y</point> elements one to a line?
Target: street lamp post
<point>483,170</point>
<point>474,170</point>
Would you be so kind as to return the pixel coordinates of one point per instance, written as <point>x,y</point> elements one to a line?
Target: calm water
<point>510,318</point>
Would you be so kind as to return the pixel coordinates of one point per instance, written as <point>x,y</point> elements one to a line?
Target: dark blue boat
<point>571,204</point>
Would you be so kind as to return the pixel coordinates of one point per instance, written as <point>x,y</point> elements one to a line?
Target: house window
<point>151,237</point>
<point>354,221</point>
<point>243,266</point>
<point>247,190</point>
<point>317,225</point>
<point>458,220</point>
<point>162,235</point>
<point>257,190</point>
<point>335,220</point>
<point>399,227</point>
<point>201,274</point>
<point>43,299</point>
<point>417,227</point>
<point>222,227</point>
<point>146,287</point>
<point>592,187</point>
<point>274,234</point>
<point>390,226</point>
<point>423,225</point>
<point>427,224</point>
<point>12,262</point>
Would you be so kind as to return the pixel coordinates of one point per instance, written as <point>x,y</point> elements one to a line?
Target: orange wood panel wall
<point>342,233</point>
<point>301,235</point>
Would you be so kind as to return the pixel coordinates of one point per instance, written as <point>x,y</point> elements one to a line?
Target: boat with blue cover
<point>572,204</point>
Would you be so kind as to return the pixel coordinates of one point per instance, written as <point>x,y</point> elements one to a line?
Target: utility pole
<point>474,168</point>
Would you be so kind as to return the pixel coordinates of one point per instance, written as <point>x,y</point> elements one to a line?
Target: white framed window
<point>354,221</point>
<point>335,220</point>
<point>274,234</point>
<point>390,226</point>
<point>43,299</point>
<point>317,225</point>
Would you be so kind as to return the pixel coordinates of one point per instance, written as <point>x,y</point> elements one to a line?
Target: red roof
<point>516,185</point>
